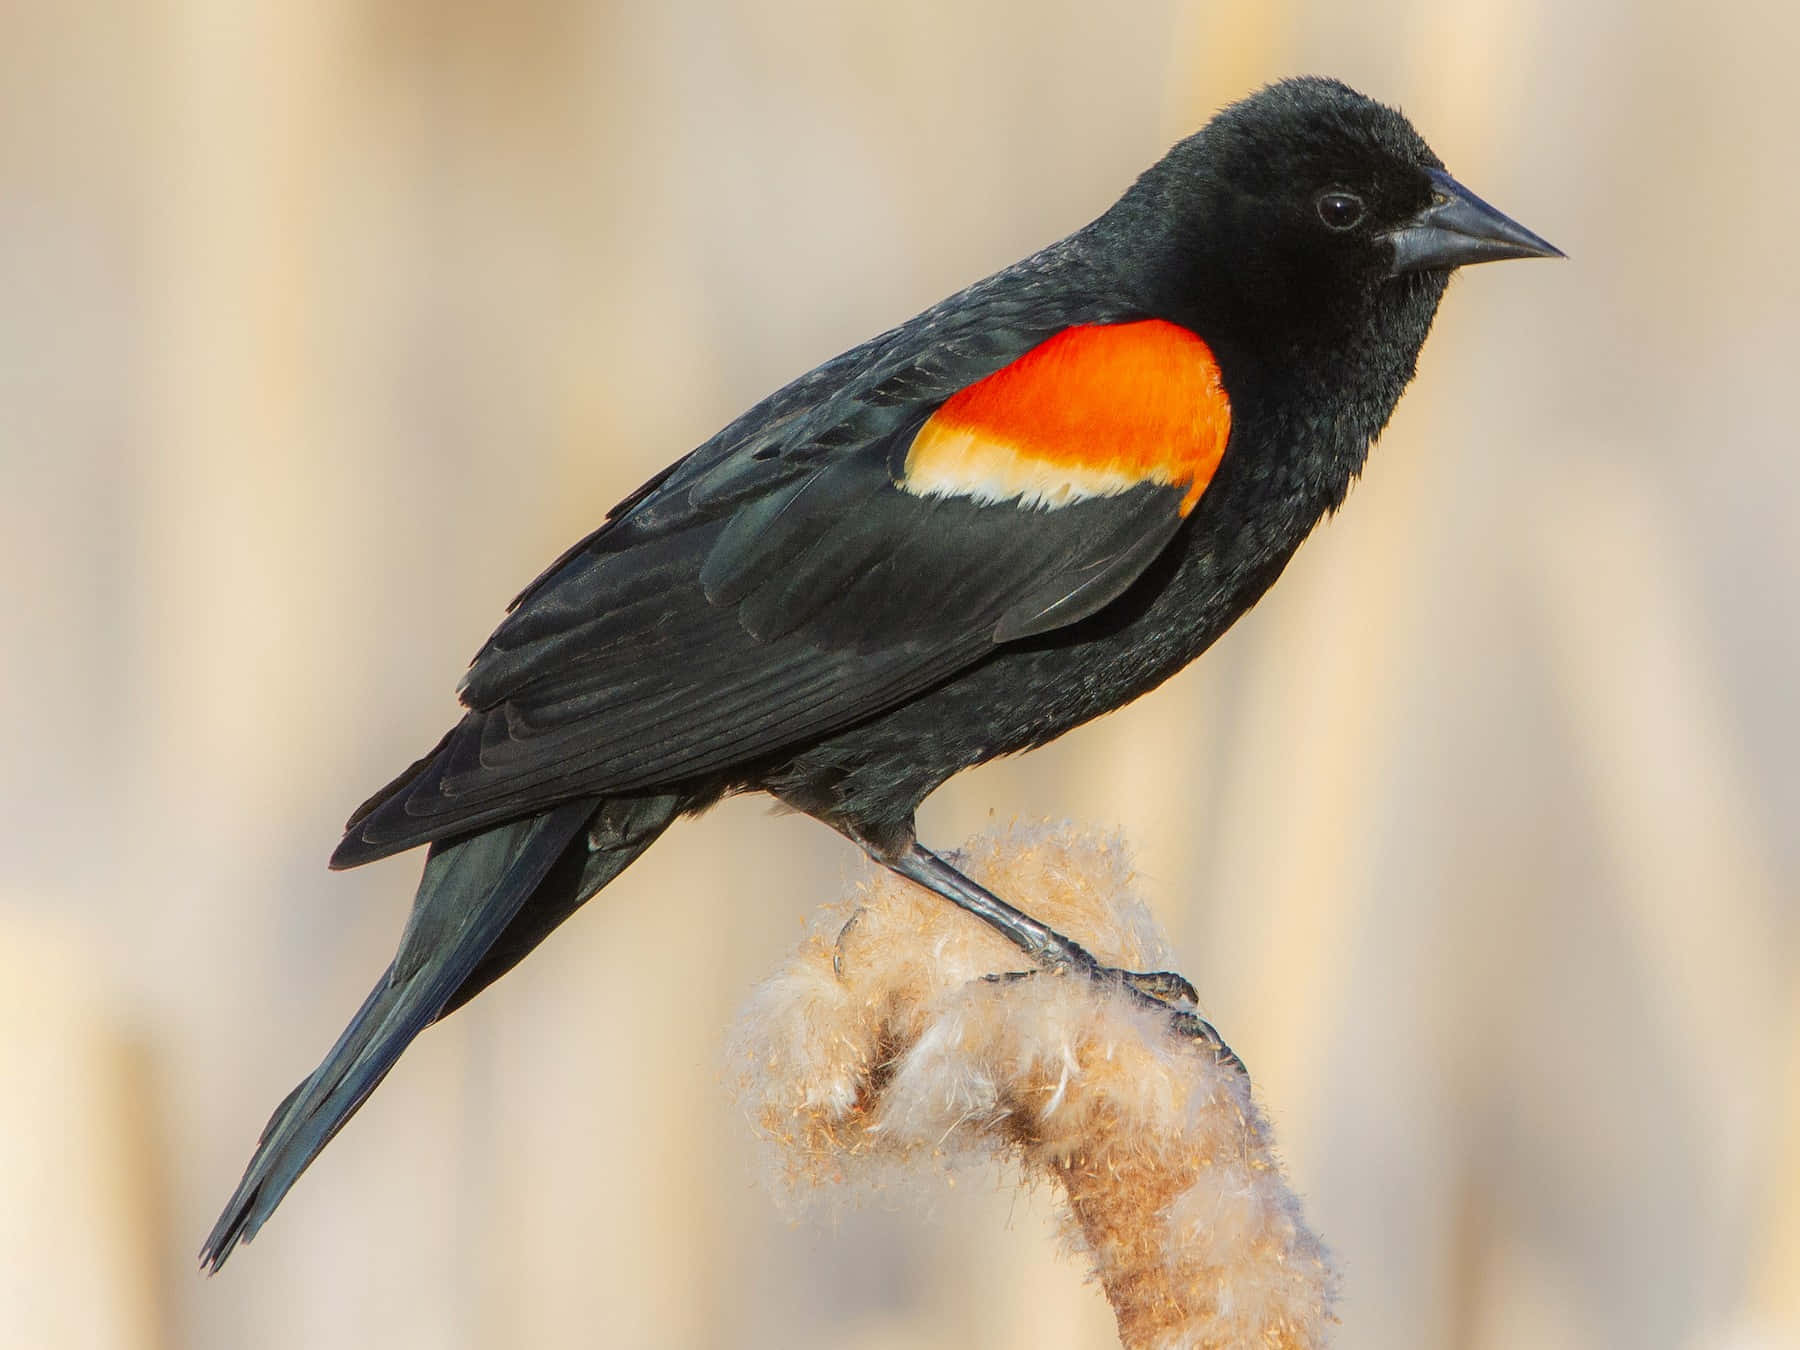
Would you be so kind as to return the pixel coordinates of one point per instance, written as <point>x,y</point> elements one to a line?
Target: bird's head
<point>1305,213</point>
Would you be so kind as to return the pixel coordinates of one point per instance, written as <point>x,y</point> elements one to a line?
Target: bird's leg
<point>1050,949</point>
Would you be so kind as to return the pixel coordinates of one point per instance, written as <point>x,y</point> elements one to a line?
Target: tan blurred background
<point>323,325</point>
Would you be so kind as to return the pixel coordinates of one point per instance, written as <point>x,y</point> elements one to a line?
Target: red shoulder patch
<point>1092,412</point>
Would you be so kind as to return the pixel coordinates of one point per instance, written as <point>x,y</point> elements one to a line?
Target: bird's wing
<point>763,594</point>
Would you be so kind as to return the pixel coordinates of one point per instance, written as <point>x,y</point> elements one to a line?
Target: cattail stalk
<point>885,1046</point>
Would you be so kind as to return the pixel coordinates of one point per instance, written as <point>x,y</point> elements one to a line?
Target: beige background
<point>324,325</point>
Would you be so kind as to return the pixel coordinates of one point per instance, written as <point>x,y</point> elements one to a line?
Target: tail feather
<point>618,832</point>
<point>471,891</point>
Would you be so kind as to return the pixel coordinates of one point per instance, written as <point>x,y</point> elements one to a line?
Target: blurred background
<point>323,326</point>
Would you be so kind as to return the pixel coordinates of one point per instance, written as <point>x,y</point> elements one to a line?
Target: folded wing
<point>753,599</point>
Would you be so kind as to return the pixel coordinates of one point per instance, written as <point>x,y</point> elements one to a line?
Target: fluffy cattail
<point>880,1045</point>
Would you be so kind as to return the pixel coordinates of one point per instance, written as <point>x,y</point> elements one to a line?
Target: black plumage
<point>778,612</point>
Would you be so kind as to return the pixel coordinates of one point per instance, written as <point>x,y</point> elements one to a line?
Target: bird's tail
<point>483,902</point>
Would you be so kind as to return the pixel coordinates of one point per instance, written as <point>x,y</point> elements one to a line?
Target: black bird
<point>1017,511</point>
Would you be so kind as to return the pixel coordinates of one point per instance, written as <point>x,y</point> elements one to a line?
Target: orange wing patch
<point>1092,412</point>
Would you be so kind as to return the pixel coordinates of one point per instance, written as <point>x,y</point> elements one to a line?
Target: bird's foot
<point>1164,990</point>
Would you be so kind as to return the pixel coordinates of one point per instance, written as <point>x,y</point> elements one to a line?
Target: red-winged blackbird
<point>1019,510</point>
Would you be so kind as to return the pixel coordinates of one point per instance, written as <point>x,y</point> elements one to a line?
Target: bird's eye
<point>1340,210</point>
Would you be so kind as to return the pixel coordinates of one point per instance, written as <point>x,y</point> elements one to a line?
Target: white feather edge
<point>953,462</point>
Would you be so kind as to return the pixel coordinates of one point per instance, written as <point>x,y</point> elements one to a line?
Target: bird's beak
<point>1459,228</point>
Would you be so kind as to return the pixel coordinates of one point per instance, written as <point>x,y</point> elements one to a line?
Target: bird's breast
<point>1095,411</point>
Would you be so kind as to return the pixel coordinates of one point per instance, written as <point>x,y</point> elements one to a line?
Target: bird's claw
<point>1164,990</point>
<point>1195,1027</point>
<point>1167,991</point>
<point>837,948</point>
<point>1165,986</point>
